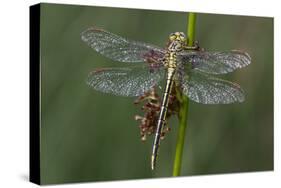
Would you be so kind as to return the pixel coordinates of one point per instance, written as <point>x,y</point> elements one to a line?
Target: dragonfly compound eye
<point>182,37</point>
<point>172,37</point>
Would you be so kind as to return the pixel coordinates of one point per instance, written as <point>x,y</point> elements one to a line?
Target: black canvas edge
<point>34,96</point>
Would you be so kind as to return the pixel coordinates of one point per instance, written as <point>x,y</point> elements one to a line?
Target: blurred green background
<point>91,136</point>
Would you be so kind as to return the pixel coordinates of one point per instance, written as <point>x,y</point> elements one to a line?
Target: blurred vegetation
<point>91,136</point>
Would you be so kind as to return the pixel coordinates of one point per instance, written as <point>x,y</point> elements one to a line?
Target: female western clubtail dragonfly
<point>188,67</point>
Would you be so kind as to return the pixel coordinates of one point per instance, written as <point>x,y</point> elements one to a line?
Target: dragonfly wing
<point>206,89</point>
<point>215,62</point>
<point>118,48</point>
<point>129,81</point>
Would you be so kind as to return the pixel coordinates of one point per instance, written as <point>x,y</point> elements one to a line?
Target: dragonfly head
<point>176,41</point>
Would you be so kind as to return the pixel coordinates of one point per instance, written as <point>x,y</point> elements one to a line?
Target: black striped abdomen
<point>162,115</point>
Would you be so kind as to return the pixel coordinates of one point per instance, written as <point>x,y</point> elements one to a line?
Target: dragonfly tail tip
<point>152,162</point>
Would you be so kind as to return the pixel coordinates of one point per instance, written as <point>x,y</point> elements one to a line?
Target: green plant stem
<point>183,111</point>
<point>191,28</point>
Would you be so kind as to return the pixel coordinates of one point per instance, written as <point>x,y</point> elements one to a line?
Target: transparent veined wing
<point>127,81</point>
<point>206,89</point>
<point>215,62</point>
<point>118,48</point>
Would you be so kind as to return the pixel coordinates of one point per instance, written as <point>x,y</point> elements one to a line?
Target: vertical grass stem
<point>183,111</point>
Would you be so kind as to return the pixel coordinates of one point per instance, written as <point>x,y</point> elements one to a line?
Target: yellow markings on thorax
<point>170,60</point>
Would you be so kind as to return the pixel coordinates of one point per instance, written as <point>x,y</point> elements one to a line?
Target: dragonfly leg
<point>195,46</point>
<point>153,63</point>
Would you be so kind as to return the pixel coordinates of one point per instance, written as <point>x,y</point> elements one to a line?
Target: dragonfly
<point>191,69</point>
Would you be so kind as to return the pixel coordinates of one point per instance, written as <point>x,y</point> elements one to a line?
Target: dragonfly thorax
<point>170,60</point>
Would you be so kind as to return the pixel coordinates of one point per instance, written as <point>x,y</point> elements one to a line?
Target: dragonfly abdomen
<point>162,116</point>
